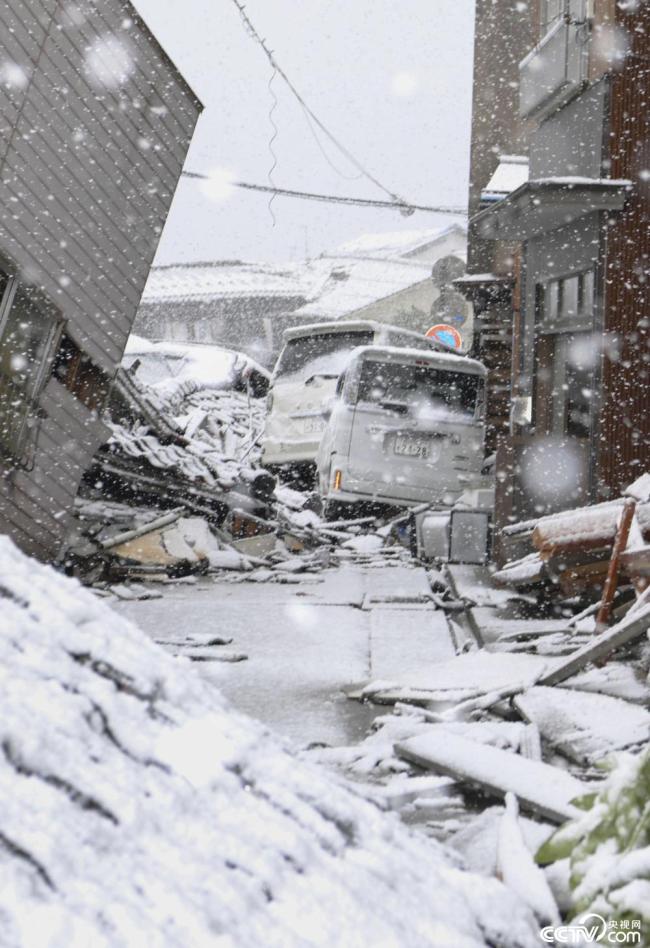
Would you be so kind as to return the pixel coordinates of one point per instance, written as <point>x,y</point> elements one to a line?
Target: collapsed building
<point>96,123</point>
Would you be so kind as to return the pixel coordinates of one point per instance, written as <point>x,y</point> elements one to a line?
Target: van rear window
<point>440,392</point>
<point>322,353</point>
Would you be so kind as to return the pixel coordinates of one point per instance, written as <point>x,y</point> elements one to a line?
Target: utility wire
<point>271,58</point>
<point>333,198</point>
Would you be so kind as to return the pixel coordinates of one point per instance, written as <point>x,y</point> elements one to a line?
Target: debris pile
<point>526,712</point>
<point>140,808</point>
<point>188,444</point>
<point>573,549</point>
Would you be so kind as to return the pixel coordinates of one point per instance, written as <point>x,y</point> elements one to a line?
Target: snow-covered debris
<point>541,788</point>
<point>517,867</point>
<point>165,364</point>
<point>586,727</point>
<point>219,429</point>
<point>138,808</point>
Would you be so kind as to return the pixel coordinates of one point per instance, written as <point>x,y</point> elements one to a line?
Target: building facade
<point>560,263</point>
<point>96,122</point>
<point>243,306</point>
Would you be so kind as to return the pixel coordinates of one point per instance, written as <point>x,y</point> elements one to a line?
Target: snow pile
<point>218,433</point>
<point>138,808</point>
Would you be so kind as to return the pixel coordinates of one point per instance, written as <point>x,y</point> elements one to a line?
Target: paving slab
<point>402,641</point>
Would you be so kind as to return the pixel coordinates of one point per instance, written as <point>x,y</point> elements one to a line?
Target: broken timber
<point>540,788</point>
<point>630,628</point>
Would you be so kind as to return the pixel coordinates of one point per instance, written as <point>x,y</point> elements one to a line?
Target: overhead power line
<point>395,198</point>
<point>404,208</point>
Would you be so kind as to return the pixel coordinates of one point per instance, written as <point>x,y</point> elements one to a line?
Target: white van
<point>304,381</point>
<point>406,427</point>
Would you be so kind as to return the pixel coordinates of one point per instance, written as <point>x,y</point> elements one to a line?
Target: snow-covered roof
<point>348,284</point>
<point>140,809</point>
<point>511,173</point>
<point>396,244</point>
<point>226,279</point>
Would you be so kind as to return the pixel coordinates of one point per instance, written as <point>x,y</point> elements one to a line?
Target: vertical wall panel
<point>88,168</point>
<point>625,436</point>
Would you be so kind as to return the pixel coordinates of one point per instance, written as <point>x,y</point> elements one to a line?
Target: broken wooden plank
<point>614,566</point>
<point>518,869</point>
<point>141,531</point>
<point>540,788</point>
<point>584,727</point>
<point>630,628</point>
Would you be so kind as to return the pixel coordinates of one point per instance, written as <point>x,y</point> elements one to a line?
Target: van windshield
<point>430,393</point>
<point>319,354</point>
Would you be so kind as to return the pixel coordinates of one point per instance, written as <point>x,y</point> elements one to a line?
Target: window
<point>566,356</point>
<point>551,10</point>
<point>321,353</point>
<point>28,331</point>
<point>579,354</point>
<point>423,388</point>
<point>80,375</point>
<point>567,303</point>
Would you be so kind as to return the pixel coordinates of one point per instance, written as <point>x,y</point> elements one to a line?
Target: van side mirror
<point>327,408</point>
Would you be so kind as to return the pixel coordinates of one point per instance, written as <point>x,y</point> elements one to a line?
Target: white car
<point>304,380</point>
<point>164,364</point>
<point>406,427</point>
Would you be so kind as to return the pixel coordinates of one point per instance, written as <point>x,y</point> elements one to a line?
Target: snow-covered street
<point>306,641</point>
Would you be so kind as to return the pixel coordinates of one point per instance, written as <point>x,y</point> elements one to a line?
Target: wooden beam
<point>631,627</point>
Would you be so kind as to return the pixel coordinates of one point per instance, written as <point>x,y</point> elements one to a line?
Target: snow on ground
<point>139,808</point>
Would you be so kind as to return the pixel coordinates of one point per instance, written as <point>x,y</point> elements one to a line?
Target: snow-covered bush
<point>609,846</point>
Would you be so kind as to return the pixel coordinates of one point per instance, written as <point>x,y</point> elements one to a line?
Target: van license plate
<point>411,447</point>
<point>313,425</point>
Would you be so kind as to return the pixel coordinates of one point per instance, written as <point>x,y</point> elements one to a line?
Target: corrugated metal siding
<point>625,441</point>
<point>87,175</point>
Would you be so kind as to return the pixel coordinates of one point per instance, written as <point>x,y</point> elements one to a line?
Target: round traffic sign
<point>447,335</point>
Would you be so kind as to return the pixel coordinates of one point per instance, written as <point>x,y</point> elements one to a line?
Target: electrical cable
<point>364,171</point>
<point>333,198</point>
<point>274,135</point>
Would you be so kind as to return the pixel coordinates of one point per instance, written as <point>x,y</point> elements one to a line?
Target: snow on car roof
<point>347,325</point>
<point>396,354</point>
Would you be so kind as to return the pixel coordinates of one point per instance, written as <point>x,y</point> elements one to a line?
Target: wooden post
<point>620,543</point>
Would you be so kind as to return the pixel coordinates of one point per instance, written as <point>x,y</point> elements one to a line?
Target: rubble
<point>139,807</point>
<point>542,789</point>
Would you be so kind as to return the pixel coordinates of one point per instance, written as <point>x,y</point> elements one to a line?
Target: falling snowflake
<point>219,184</point>
<point>109,62</point>
<point>12,75</point>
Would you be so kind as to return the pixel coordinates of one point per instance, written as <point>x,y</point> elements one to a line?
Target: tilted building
<point>96,122</point>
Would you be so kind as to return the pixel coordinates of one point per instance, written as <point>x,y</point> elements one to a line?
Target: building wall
<point>504,32</point>
<point>249,324</point>
<point>88,168</point>
<point>625,417</point>
<point>454,243</point>
<point>602,132</point>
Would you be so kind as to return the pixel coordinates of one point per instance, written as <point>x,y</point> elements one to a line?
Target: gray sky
<point>391,80</point>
